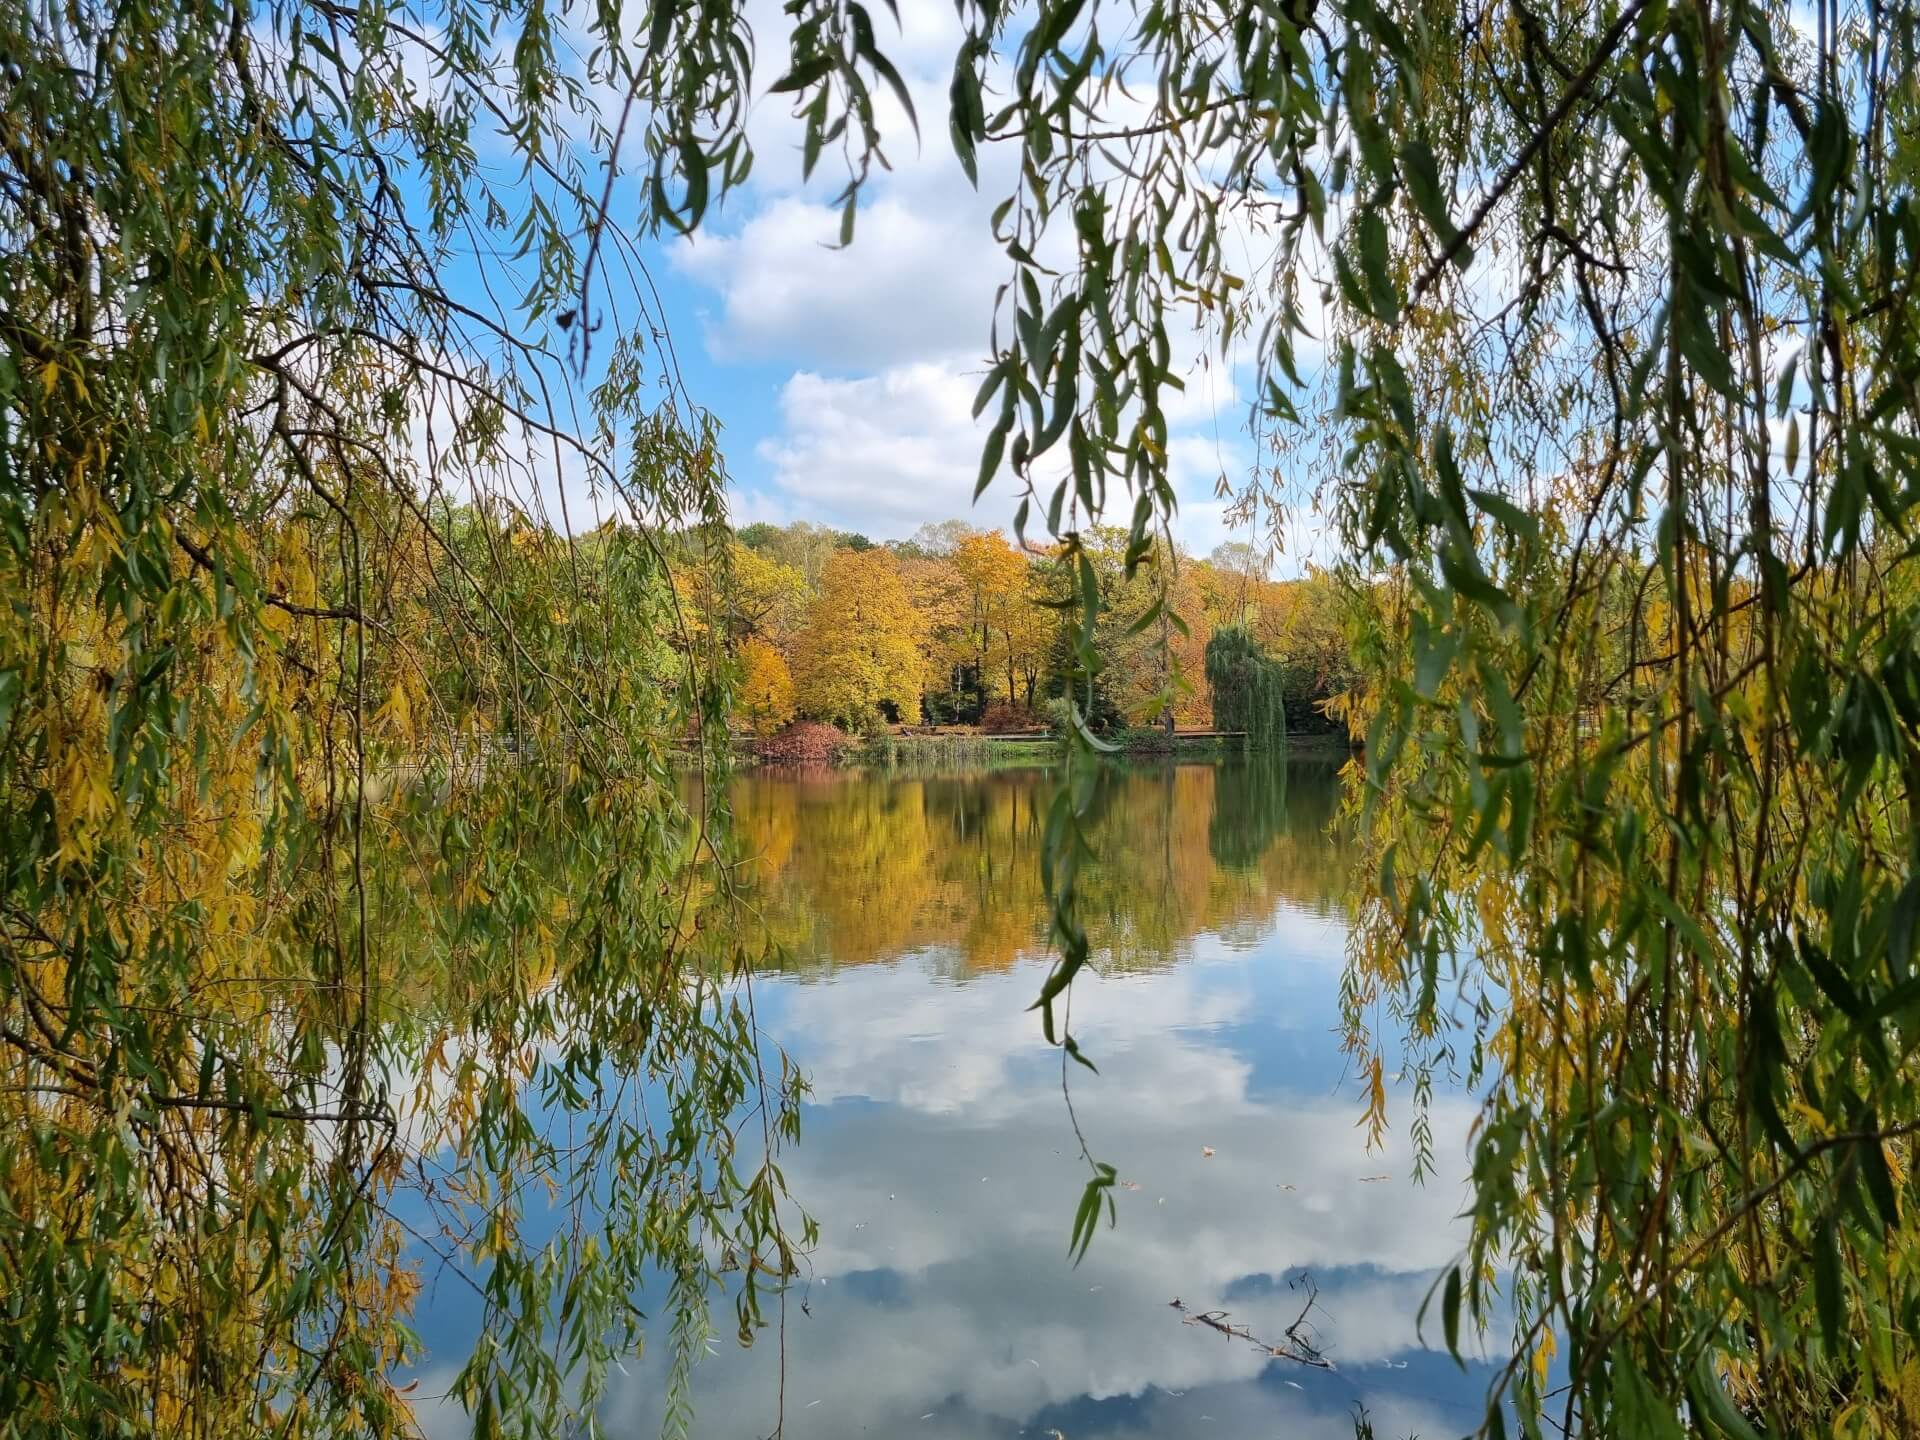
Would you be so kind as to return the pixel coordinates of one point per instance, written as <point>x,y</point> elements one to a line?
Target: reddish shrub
<point>805,742</point>
<point>1000,718</point>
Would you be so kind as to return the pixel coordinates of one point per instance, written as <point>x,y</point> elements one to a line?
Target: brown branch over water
<point>1609,43</point>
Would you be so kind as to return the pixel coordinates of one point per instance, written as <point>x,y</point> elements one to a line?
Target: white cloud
<point>881,454</point>
<point>885,453</point>
<point>916,284</point>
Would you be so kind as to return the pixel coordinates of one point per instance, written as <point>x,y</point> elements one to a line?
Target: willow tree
<point>1249,690</point>
<point>347,893</point>
<point>1612,376</point>
<point>1613,403</point>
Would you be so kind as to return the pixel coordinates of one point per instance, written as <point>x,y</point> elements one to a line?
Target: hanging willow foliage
<point>1643,733</point>
<point>350,898</point>
<point>1614,391</point>
<point>1603,317</point>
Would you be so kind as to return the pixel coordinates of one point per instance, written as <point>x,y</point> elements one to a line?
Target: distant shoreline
<point>945,750</point>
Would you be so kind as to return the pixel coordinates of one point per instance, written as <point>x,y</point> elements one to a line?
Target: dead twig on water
<point>1297,1348</point>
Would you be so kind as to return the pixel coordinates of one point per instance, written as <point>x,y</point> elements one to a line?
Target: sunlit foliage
<point>1008,631</point>
<point>763,697</point>
<point>990,628</point>
<point>1144,662</point>
<point>859,660</point>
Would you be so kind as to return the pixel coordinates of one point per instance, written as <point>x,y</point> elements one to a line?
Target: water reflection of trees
<point>851,868</point>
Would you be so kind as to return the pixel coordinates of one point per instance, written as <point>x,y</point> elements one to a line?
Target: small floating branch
<point>1297,1347</point>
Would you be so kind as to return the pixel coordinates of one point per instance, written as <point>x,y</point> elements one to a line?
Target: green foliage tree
<point>345,874</point>
<point>1248,689</point>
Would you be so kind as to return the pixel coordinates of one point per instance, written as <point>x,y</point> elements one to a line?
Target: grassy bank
<point>924,753</point>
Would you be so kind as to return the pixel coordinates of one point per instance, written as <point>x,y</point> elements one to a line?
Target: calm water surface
<point>940,1162</point>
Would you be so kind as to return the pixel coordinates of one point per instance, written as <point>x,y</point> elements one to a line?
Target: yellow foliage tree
<point>1023,638</point>
<point>943,601</point>
<point>1008,633</point>
<point>994,571</point>
<point>763,699</point>
<point>859,659</point>
<point>1154,666</point>
<point>768,598</point>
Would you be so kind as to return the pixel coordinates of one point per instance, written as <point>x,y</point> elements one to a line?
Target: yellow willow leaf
<point>398,710</point>
<point>300,586</point>
<point>1375,1117</point>
<point>1910,1386</point>
<point>1815,1120</point>
<point>1543,1355</point>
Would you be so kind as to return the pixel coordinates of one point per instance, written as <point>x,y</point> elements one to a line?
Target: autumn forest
<point>961,626</point>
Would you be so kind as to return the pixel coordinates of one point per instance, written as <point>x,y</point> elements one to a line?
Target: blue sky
<point>845,378</point>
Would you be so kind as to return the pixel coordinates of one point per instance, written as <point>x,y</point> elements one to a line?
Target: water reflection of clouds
<point>942,1165</point>
<point>894,1035</point>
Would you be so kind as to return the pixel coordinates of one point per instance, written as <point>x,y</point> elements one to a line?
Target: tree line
<point>961,625</point>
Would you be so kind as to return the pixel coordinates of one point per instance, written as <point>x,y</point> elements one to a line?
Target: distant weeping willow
<point>1249,688</point>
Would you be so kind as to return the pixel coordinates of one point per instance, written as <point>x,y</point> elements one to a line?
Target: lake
<point>939,1158</point>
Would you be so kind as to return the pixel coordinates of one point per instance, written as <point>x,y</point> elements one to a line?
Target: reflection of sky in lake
<point>938,1156</point>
